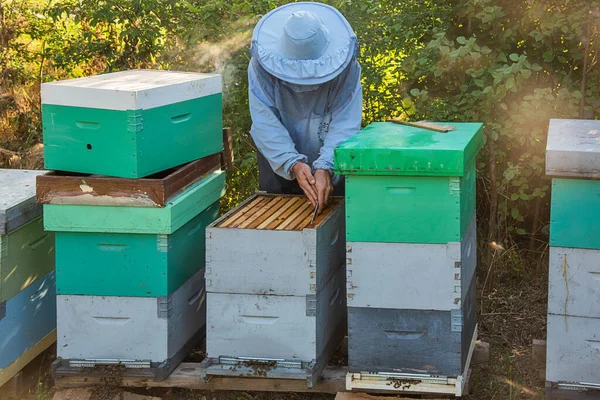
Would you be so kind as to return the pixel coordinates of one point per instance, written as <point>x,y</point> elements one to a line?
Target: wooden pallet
<point>571,392</point>
<point>188,375</point>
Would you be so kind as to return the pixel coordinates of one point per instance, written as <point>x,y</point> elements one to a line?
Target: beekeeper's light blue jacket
<point>292,123</point>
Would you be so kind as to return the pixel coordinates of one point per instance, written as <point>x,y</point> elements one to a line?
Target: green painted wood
<point>26,255</point>
<point>131,265</point>
<point>113,219</point>
<point>575,213</point>
<point>409,209</point>
<point>132,143</point>
<point>385,148</point>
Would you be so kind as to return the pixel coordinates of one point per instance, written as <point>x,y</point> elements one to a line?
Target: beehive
<point>135,265</point>
<point>275,284</point>
<point>26,320</point>
<point>573,350</point>
<point>428,342</point>
<point>152,220</point>
<point>282,253</point>
<point>26,251</point>
<point>410,185</point>
<point>131,124</point>
<point>146,331</point>
<point>410,275</point>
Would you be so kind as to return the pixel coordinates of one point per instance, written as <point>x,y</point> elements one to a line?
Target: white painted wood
<point>573,148</point>
<point>574,282</point>
<point>287,263</point>
<point>411,276</point>
<point>17,198</point>
<point>256,326</point>
<point>573,349</point>
<point>132,328</point>
<point>131,90</point>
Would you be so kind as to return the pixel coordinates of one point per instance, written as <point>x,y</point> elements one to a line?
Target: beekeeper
<point>305,98</point>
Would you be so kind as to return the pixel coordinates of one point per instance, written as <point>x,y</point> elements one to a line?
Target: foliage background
<point>512,64</point>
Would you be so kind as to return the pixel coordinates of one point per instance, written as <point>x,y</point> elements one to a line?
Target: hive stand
<point>413,383</point>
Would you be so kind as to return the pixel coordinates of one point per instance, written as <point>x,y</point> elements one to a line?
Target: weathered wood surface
<point>574,282</point>
<point>154,191</point>
<point>573,345</point>
<point>139,328</point>
<point>365,396</point>
<point>288,327</point>
<point>276,212</point>
<point>411,275</point>
<point>285,262</point>
<point>187,375</point>
<point>17,198</point>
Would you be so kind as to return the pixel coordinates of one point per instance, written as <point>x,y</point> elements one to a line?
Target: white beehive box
<point>275,288</point>
<point>134,330</point>
<point>267,245</point>
<point>573,148</point>
<point>574,282</point>
<point>411,276</point>
<point>573,350</point>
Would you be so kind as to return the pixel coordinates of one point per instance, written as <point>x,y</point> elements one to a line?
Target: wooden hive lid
<point>276,212</point>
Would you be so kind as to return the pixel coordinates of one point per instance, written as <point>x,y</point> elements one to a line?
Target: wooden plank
<point>264,213</point>
<point>7,373</point>
<point>296,216</point>
<point>187,375</point>
<point>289,203</point>
<point>283,217</point>
<point>365,396</point>
<point>243,213</point>
<point>154,191</point>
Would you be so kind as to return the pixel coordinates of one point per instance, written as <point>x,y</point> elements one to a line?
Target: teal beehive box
<point>131,265</point>
<point>573,160</point>
<point>133,251</point>
<point>26,250</point>
<point>131,124</point>
<point>407,184</point>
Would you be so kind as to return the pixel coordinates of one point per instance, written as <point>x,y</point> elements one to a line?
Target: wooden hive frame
<point>275,212</point>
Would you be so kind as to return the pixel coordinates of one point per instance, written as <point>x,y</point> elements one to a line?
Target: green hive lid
<point>385,148</point>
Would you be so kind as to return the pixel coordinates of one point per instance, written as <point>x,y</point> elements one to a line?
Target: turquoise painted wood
<point>131,265</point>
<point>409,209</point>
<point>29,317</point>
<point>575,213</point>
<point>132,143</point>
<point>385,148</point>
<point>26,255</point>
<point>131,124</point>
<point>111,219</point>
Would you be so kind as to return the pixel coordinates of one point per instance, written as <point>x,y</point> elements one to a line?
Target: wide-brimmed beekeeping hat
<point>304,43</point>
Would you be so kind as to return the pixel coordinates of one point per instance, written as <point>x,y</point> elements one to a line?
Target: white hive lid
<point>573,148</point>
<point>131,90</point>
<point>17,198</point>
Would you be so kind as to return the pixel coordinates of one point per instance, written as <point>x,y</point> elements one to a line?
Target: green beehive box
<point>575,213</point>
<point>26,250</point>
<point>131,124</point>
<point>131,265</point>
<point>152,220</point>
<point>407,184</point>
